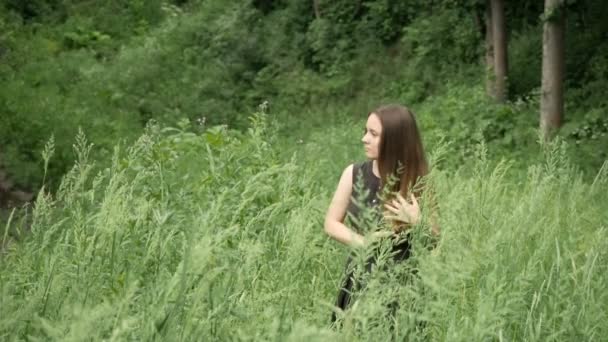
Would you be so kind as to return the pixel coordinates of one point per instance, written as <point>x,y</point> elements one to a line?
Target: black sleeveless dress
<point>363,215</point>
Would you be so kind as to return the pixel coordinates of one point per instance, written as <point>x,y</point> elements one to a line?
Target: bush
<point>465,116</point>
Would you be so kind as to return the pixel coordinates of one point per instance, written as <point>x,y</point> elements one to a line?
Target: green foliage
<point>69,77</point>
<point>525,57</point>
<point>202,232</point>
<point>588,137</point>
<point>148,214</point>
<point>464,116</point>
<point>385,19</point>
<point>34,8</point>
<point>110,68</point>
<point>439,39</point>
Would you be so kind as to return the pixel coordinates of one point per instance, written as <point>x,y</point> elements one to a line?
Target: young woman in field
<point>385,190</point>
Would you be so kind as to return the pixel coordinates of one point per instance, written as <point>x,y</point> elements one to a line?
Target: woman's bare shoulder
<point>347,174</point>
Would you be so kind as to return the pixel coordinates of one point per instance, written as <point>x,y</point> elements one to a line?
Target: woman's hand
<point>375,236</point>
<point>401,210</point>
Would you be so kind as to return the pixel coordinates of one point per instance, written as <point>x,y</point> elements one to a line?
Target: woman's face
<point>371,137</point>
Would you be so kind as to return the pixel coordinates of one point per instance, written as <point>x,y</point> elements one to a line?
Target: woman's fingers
<point>414,200</point>
<point>395,203</point>
<point>392,209</point>
<point>397,215</point>
<point>399,209</point>
<point>401,199</point>
<point>401,203</point>
<point>403,209</point>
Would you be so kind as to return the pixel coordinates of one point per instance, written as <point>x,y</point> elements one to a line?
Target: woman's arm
<point>334,219</point>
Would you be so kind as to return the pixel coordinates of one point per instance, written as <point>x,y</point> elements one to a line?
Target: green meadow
<point>209,234</point>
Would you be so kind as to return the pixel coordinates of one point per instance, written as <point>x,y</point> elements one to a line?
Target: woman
<point>395,165</point>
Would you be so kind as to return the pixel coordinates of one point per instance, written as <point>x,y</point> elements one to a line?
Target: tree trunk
<point>315,6</point>
<point>489,61</point>
<point>552,91</point>
<point>499,33</point>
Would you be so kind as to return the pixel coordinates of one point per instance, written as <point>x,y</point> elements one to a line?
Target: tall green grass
<point>210,234</point>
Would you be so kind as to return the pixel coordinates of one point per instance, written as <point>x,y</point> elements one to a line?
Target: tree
<point>552,91</point>
<point>489,41</point>
<point>315,6</point>
<point>499,35</point>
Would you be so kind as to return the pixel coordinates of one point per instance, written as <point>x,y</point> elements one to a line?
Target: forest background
<point>149,115</point>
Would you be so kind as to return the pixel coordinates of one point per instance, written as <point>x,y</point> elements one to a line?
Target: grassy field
<point>210,234</point>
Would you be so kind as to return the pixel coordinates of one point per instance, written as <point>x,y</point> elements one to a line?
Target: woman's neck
<point>375,169</point>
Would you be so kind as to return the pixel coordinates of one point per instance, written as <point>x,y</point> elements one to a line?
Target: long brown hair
<point>401,153</point>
